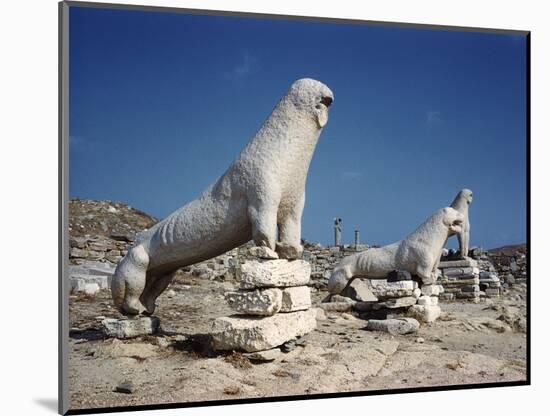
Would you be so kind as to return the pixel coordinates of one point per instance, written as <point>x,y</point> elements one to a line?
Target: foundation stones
<point>256,302</point>
<point>274,273</point>
<point>273,307</point>
<point>400,326</point>
<point>460,279</point>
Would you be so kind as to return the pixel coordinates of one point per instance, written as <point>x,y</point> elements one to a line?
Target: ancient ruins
<point>244,306</point>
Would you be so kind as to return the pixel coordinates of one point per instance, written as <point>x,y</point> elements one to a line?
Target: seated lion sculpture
<point>419,253</point>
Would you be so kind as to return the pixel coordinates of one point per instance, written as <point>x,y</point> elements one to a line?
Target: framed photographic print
<point>269,208</point>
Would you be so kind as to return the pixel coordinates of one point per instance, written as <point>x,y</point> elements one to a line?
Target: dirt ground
<point>470,343</point>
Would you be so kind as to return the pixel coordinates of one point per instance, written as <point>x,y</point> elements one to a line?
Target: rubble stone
<point>398,326</point>
<point>130,328</point>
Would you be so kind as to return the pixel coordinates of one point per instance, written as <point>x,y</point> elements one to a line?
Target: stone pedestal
<point>272,307</point>
<point>460,278</point>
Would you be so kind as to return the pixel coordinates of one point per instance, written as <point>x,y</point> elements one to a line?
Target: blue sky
<point>160,104</point>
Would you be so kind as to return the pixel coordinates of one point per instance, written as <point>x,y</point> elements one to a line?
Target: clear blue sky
<point>160,104</point>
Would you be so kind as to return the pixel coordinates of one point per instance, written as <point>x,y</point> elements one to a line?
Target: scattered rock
<point>359,290</point>
<point>126,387</point>
<point>399,326</point>
<point>130,328</point>
<point>296,299</point>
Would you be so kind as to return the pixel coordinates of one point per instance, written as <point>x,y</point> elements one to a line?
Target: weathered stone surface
<point>263,252</point>
<point>431,290</point>
<point>422,247</point>
<point>399,302</point>
<point>126,387</point>
<point>468,262</point>
<point>256,334</point>
<point>241,205</point>
<point>296,299</point>
<point>91,289</point>
<point>359,290</point>
<point>467,295</point>
<point>130,328</point>
<point>255,302</point>
<point>459,282</point>
<point>492,292</point>
<point>274,273</point>
<point>338,306</point>
<point>78,282</point>
<point>425,313</point>
<point>470,288</point>
<point>428,300</point>
<point>461,271</point>
<point>383,289</point>
<point>398,326</point>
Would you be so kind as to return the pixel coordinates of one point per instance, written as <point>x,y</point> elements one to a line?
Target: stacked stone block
<point>460,279</point>
<point>272,306</point>
<point>490,284</point>
<point>396,295</point>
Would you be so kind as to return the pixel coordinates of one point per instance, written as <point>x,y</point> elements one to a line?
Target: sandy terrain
<point>471,343</point>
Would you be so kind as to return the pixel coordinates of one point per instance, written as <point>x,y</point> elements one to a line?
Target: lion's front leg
<point>262,211</point>
<point>290,231</point>
<point>428,273</point>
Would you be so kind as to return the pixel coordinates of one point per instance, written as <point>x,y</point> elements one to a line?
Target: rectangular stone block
<point>428,300</point>
<point>255,302</point>
<point>274,273</point>
<point>470,288</point>
<point>431,290</point>
<point>296,299</point>
<point>467,295</point>
<point>78,282</point>
<point>130,328</point>
<point>459,282</point>
<point>384,289</point>
<point>253,334</point>
<point>492,292</point>
<point>461,271</point>
<point>425,313</point>
<point>458,263</point>
<point>398,302</point>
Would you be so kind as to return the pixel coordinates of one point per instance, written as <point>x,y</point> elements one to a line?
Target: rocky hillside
<point>106,219</point>
<point>102,230</point>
